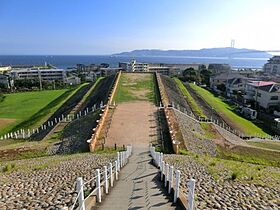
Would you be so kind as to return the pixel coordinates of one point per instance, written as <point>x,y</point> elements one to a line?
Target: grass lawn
<point>30,108</point>
<point>266,144</point>
<point>194,106</point>
<point>241,171</point>
<point>87,95</point>
<point>135,86</point>
<point>251,155</point>
<point>226,111</point>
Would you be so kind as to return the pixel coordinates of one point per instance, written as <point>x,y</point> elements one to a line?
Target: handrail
<point>167,174</point>
<point>117,164</point>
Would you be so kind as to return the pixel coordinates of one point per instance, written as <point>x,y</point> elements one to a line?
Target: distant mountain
<point>207,52</point>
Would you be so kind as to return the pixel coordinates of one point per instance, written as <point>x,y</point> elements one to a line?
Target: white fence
<point>27,133</point>
<point>221,124</point>
<point>103,179</point>
<point>171,178</point>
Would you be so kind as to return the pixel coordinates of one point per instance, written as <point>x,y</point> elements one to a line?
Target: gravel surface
<point>193,136</point>
<point>224,193</point>
<point>48,182</point>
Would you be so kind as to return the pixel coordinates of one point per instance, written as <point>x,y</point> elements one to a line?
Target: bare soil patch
<point>4,122</point>
<point>132,123</point>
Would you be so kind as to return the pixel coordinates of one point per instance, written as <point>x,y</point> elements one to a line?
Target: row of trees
<point>201,76</point>
<point>31,84</point>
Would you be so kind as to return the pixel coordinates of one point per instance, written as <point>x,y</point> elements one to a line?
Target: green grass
<point>135,87</point>
<point>30,109</point>
<point>227,112</point>
<point>210,133</point>
<point>251,155</point>
<point>87,95</point>
<point>266,144</point>
<point>241,171</point>
<point>21,106</point>
<point>108,150</point>
<point>194,106</point>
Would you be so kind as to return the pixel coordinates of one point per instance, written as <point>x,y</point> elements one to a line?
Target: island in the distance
<point>205,52</point>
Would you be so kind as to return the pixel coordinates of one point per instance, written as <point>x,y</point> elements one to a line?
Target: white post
<point>123,158</point>
<point>162,170</point>
<point>159,160</point>
<point>170,183</point>
<point>166,174</point>
<point>118,160</point>
<point>116,169</point>
<point>191,186</point>
<point>177,186</point>
<point>111,174</point>
<point>106,179</point>
<point>121,161</point>
<point>126,156</point>
<point>98,193</point>
<point>80,191</point>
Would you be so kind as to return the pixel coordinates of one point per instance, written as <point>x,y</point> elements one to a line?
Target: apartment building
<point>265,93</point>
<point>134,66</point>
<point>272,66</point>
<point>43,74</point>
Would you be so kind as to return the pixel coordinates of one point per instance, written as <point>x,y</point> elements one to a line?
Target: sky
<point>97,27</point>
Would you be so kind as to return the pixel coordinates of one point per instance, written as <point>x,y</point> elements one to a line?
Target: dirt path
<point>139,187</point>
<point>133,123</point>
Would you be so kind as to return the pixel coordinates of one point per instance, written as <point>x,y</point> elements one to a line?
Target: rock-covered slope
<point>48,182</point>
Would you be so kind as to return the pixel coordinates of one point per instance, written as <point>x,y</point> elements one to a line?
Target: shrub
<point>183,152</point>
<point>212,164</point>
<point>234,176</point>
<point>8,167</point>
<point>2,97</point>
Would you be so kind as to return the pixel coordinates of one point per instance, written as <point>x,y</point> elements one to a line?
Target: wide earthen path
<point>138,186</point>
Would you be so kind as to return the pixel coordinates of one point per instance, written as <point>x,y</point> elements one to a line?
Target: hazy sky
<point>108,26</point>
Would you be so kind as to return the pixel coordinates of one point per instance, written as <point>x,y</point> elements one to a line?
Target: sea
<point>70,61</point>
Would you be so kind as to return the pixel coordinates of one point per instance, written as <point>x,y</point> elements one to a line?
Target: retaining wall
<point>101,122</point>
<point>174,129</point>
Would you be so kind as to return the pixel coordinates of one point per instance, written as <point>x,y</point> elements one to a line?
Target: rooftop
<point>261,83</point>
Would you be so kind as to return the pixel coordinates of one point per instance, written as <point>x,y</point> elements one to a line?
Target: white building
<point>265,93</point>
<point>43,74</point>
<point>134,66</point>
<point>73,80</point>
<point>273,65</point>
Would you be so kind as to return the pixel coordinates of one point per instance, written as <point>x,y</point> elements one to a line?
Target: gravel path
<point>224,193</point>
<point>48,182</point>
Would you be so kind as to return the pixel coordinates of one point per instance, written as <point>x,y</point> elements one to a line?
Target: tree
<point>205,76</point>
<point>190,74</point>
<point>222,87</point>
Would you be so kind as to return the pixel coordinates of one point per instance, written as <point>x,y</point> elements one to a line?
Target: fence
<point>221,125</point>
<point>25,134</point>
<point>97,131</point>
<point>171,178</point>
<point>103,179</point>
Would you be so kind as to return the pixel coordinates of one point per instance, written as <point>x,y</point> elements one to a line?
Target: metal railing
<point>104,177</point>
<point>172,178</point>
